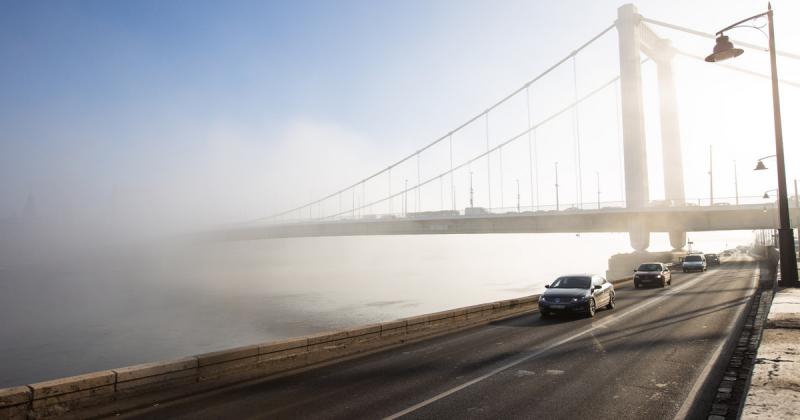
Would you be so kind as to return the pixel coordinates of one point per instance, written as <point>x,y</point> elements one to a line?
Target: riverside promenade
<point>775,386</point>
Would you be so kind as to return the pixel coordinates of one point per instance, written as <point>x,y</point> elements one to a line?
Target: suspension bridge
<point>446,201</point>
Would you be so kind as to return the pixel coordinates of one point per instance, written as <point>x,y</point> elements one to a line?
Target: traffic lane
<point>385,383</point>
<point>374,385</point>
<point>643,366</point>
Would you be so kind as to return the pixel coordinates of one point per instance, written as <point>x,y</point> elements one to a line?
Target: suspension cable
<point>469,162</point>
<point>458,128</point>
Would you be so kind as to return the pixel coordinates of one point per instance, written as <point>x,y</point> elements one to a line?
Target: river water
<point>135,304</point>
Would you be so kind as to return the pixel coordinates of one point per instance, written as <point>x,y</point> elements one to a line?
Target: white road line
<point>610,319</point>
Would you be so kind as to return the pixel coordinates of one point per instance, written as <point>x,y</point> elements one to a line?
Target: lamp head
<point>723,50</point>
<point>766,195</point>
<point>760,166</point>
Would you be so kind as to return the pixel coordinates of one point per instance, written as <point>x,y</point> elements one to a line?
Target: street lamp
<point>766,194</point>
<point>724,50</point>
<point>471,191</point>
<point>760,165</point>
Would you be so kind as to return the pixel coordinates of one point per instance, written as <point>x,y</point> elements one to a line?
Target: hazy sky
<point>223,111</point>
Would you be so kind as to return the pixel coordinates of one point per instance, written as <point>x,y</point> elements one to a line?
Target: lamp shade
<point>759,166</point>
<point>766,195</point>
<point>723,50</point>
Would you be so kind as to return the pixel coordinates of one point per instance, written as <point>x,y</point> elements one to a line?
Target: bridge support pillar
<point>670,135</point>
<point>633,130</point>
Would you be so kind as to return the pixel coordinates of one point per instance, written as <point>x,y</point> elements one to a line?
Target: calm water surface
<point>132,305</point>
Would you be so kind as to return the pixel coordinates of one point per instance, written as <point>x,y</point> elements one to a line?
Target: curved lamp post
<point>760,165</point>
<point>724,50</point>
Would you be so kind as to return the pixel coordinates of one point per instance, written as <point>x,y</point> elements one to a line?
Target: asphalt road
<point>645,359</point>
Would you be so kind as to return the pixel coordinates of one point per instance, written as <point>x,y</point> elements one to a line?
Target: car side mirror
<point>546,286</point>
<point>597,287</point>
<point>634,270</point>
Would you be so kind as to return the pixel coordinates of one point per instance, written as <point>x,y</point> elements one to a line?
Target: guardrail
<point>126,388</point>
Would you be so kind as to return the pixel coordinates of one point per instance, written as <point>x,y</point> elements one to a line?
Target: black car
<point>580,293</point>
<point>712,259</point>
<point>656,274</point>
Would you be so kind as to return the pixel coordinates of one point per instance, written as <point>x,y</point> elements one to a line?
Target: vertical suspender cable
<point>530,152</point>
<point>579,183</point>
<point>441,193</point>
<point>389,172</point>
<point>419,188</point>
<point>452,184</point>
<point>488,163</point>
<point>502,198</point>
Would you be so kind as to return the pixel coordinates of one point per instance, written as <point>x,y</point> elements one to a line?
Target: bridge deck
<point>666,219</point>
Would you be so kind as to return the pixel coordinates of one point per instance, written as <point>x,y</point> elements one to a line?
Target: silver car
<point>694,262</point>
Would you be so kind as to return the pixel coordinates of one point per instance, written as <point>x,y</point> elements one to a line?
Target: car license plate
<point>557,306</point>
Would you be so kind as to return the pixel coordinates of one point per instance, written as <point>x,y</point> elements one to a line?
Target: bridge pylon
<point>636,38</point>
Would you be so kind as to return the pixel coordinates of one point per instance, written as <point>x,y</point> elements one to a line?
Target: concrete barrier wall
<point>128,387</point>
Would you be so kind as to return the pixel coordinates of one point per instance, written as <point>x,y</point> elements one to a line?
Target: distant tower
<point>30,206</point>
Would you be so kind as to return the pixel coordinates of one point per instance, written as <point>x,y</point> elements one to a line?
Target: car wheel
<point>592,309</point>
<point>684,270</point>
<point>545,315</point>
<point>611,302</point>
<point>663,283</point>
<point>636,285</point>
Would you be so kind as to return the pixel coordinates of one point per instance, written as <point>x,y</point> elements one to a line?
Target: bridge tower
<point>636,38</point>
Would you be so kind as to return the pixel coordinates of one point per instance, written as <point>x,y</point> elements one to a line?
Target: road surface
<point>645,359</point>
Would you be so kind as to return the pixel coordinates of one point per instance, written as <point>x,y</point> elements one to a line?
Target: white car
<point>694,262</point>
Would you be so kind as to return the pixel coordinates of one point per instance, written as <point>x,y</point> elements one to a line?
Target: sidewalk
<point>775,387</point>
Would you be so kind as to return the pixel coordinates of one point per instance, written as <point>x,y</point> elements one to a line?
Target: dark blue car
<point>579,293</point>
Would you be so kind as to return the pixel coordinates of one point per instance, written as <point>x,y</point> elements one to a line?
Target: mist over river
<point>119,306</point>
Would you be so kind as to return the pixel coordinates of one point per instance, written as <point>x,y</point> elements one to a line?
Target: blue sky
<point>242,108</point>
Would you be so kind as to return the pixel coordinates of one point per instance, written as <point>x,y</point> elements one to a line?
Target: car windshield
<point>650,267</point>
<point>572,283</point>
<point>693,258</point>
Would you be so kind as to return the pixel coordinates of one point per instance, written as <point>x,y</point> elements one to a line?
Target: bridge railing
<point>561,208</point>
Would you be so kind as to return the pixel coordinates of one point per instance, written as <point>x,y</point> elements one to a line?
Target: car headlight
<point>542,299</point>
<point>659,276</point>
<point>574,299</point>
